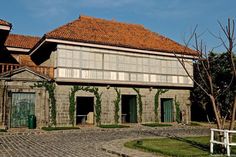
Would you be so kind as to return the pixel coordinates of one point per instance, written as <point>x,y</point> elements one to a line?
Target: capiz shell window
<point>63,72</point>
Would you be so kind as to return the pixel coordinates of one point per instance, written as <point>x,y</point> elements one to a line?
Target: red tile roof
<point>21,41</point>
<point>5,23</point>
<point>99,31</point>
<point>26,60</point>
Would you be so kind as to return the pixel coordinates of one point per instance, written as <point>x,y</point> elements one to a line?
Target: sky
<point>175,19</point>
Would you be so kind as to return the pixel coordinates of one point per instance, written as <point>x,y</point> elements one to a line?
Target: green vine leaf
<point>140,104</point>
<point>116,103</point>
<point>178,112</point>
<point>50,88</point>
<point>156,102</point>
<point>98,103</point>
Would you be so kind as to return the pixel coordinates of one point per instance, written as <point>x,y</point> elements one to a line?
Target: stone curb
<point>115,152</point>
<point>117,147</point>
<point>162,130</point>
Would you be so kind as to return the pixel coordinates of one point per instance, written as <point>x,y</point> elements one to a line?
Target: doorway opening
<point>166,110</point>
<point>23,105</point>
<point>84,110</point>
<point>129,109</point>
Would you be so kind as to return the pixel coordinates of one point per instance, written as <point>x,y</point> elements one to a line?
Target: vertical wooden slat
<point>2,68</point>
<point>52,72</point>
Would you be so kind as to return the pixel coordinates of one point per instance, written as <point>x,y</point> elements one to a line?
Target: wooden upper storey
<point>45,55</point>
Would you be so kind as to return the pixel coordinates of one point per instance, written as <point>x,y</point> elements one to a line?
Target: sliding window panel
<point>63,72</point>
<point>76,73</point>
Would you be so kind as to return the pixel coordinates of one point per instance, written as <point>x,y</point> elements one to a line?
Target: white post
<point>212,138</point>
<point>225,138</point>
<point>227,143</point>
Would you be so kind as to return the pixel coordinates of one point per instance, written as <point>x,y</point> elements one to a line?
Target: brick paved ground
<point>85,142</point>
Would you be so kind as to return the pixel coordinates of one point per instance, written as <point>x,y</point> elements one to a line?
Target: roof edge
<point>110,47</point>
<point>24,68</point>
<point>38,45</point>
<point>5,23</point>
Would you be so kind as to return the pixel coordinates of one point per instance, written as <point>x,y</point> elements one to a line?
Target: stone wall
<point>41,102</point>
<point>62,103</point>
<point>1,102</point>
<point>109,95</point>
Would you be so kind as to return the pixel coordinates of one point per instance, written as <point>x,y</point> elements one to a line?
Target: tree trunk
<point>213,102</point>
<point>233,115</point>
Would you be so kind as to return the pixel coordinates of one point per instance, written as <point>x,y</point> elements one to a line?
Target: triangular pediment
<point>23,73</point>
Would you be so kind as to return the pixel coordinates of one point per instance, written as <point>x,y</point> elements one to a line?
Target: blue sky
<point>173,18</point>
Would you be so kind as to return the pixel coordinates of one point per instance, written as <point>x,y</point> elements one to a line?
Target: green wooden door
<point>133,109</point>
<point>23,104</point>
<point>167,109</point>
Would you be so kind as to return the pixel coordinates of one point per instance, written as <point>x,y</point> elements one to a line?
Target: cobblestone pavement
<point>86,143</point>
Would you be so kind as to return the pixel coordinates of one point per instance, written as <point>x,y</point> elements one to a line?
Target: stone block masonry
<point>109,95</point>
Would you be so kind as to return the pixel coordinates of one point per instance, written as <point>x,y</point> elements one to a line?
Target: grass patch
<point>113,126</point>
<point>181,147</point>
<point>156,125</point>
<point>195,124</point>
<point>59,128</point>
<point>3,130</point>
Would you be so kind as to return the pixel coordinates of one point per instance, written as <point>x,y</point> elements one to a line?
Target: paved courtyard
<point>84,142</point>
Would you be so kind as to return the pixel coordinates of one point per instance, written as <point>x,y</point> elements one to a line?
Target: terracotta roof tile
<point>100,31</point>
<point>21,41</point>
<point>5,23</point>
<point>26,60</point>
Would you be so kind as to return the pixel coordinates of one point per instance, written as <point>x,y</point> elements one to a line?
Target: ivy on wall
<point>117,103</point>
<point>98,103</point>
<point>156,102</point>
<point>178,112</point>
<point>140,104</point>
<point>50,88</point>
<point>74,89</point>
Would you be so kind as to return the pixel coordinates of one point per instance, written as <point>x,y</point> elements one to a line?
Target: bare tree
<point>206,82</point>
<point>229,46</point>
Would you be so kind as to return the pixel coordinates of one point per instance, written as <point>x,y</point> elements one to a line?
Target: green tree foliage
<point>221,72</point>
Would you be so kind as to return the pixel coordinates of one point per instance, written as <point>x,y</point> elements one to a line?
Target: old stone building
<point>119,60</point>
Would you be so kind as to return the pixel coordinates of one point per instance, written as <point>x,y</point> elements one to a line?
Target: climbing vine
<point>50,88</point>
<point>178,112</point>
<point>98,103</point>
<point>117,103</point>
<point>156,102</point>
<point>72,103</point>
<point>140,104</point>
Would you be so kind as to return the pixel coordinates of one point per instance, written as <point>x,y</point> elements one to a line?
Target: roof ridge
<point>61,26</point>
<point>21,41</point>
<point>81,17</point>
<point>112,20</point>
<point>32,36</point>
